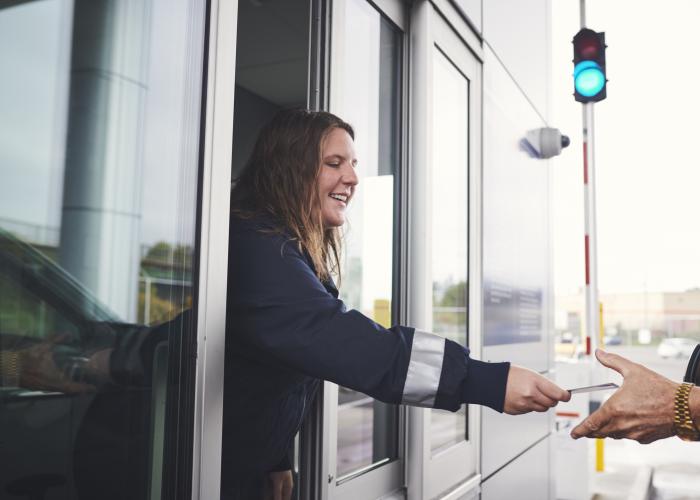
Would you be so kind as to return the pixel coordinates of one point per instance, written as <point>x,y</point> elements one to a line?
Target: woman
<point>287,330</point>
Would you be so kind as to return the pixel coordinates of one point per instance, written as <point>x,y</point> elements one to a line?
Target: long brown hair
<point>280,181</point>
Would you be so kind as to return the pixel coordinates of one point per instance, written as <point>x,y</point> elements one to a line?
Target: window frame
<point>385,477</point>
<point>212,232</point>
<point>455,468</point>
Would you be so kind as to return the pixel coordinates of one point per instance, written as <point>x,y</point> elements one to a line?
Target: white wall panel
<point>516,257</point>
<point>519,33</point>
<point>516,237</point>
<point>526,478</point>
<point>506,436</point>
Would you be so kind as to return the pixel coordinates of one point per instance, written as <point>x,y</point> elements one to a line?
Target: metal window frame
<point>311,481</point>
<point>455,469</point>
<point>384,478</point>
<point>215,191</point>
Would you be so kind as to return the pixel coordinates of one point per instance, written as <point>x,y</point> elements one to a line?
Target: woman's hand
<point>279,485</point>
<point>38,370</point>
<point>528,391</point>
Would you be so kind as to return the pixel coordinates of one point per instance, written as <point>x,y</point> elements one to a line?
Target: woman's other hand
<point>279,485</point>
<point>38,370</point>
<point>528,391</point>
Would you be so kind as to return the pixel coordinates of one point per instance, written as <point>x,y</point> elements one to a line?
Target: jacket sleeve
<point>286,462</point>
<point>278,308</point>
<point>133,357</point>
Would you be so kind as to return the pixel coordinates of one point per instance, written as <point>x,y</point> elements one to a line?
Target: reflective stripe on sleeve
<point>424,369</point>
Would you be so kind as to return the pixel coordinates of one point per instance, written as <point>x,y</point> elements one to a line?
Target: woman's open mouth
<point>340,197</point>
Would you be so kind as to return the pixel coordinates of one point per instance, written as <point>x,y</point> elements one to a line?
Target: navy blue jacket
<point>286,331</point>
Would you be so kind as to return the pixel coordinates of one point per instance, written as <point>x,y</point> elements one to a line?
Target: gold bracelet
<point>9,368</point>
<point>682,421</point>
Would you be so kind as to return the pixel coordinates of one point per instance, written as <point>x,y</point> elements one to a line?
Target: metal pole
<point>590,239</point>
<point>592,310</point>
<point>593,314</point>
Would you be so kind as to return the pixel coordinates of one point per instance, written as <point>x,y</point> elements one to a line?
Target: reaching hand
<point>38,370</point>
<point>642,409</point>
<point>528,391</point>
<point>279,485</point>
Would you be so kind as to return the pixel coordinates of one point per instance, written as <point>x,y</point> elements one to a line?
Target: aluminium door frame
<point>214,203</point>
<point>382,479</point>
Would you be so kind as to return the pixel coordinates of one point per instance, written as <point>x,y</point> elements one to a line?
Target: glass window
<point>99,135</point>
<point>366,92</point>
<point>450,223</point>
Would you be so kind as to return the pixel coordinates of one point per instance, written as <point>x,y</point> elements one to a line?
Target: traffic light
<point>589,66</point>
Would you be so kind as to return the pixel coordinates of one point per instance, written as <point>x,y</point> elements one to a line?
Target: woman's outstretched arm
<point>279,309</point>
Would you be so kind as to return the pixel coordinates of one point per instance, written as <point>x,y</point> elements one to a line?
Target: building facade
<point>124,123</point>
<point>664,314</point>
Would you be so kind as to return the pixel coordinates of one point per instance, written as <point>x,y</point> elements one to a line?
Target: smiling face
<point>337,179</point>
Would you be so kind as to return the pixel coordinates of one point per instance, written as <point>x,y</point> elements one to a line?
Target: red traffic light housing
<point>590,80</point>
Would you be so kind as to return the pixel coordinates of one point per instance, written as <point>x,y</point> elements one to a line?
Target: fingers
<point>592,425</point>
<point>536,401</point>
<point>553,391</point>
<point>287,490</point>
<point>528,391</point>
<point>280,485</point>
<point>276,488</point>
<point>277,491</point>
<point>540,408</point>
<point>544,400</point>
<point>584,429</point>
<point>618,363</point>
<point>548,396</point>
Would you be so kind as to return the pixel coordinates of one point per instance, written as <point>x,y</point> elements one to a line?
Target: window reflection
<point>366,91</point>
<point>97,211</point>
<point>450,189</point>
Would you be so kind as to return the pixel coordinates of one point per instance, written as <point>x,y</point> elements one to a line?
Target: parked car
<point>676,347</point>
<point>60,443</point>
<point>612,340</point>
<point>568,345</point>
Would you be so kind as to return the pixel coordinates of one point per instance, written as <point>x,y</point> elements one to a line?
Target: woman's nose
<point>350,176</point>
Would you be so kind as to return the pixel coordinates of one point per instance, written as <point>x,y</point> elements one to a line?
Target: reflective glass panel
<point>450,223</point>
<point>366,92</point>
<point>99,134</point>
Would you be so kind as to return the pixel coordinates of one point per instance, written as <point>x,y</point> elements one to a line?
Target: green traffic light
<point>589,78</point>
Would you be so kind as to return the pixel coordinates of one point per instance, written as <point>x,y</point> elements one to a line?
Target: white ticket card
<point>592,388</point>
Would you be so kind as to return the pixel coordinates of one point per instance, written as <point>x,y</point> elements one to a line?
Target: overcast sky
<point>647,137</point>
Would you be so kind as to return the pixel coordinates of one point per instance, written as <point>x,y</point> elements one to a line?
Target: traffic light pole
<point>590,239</point>
<point>593,311</point>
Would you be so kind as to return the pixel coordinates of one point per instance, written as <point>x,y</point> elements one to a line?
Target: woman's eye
<point>334,165</point>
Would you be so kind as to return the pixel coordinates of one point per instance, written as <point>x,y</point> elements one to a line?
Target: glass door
<point>99,161</point>
<point>366,89</point>
<point>445,267</point>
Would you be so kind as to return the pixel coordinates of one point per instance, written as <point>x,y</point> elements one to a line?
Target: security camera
<point>545,142</point>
